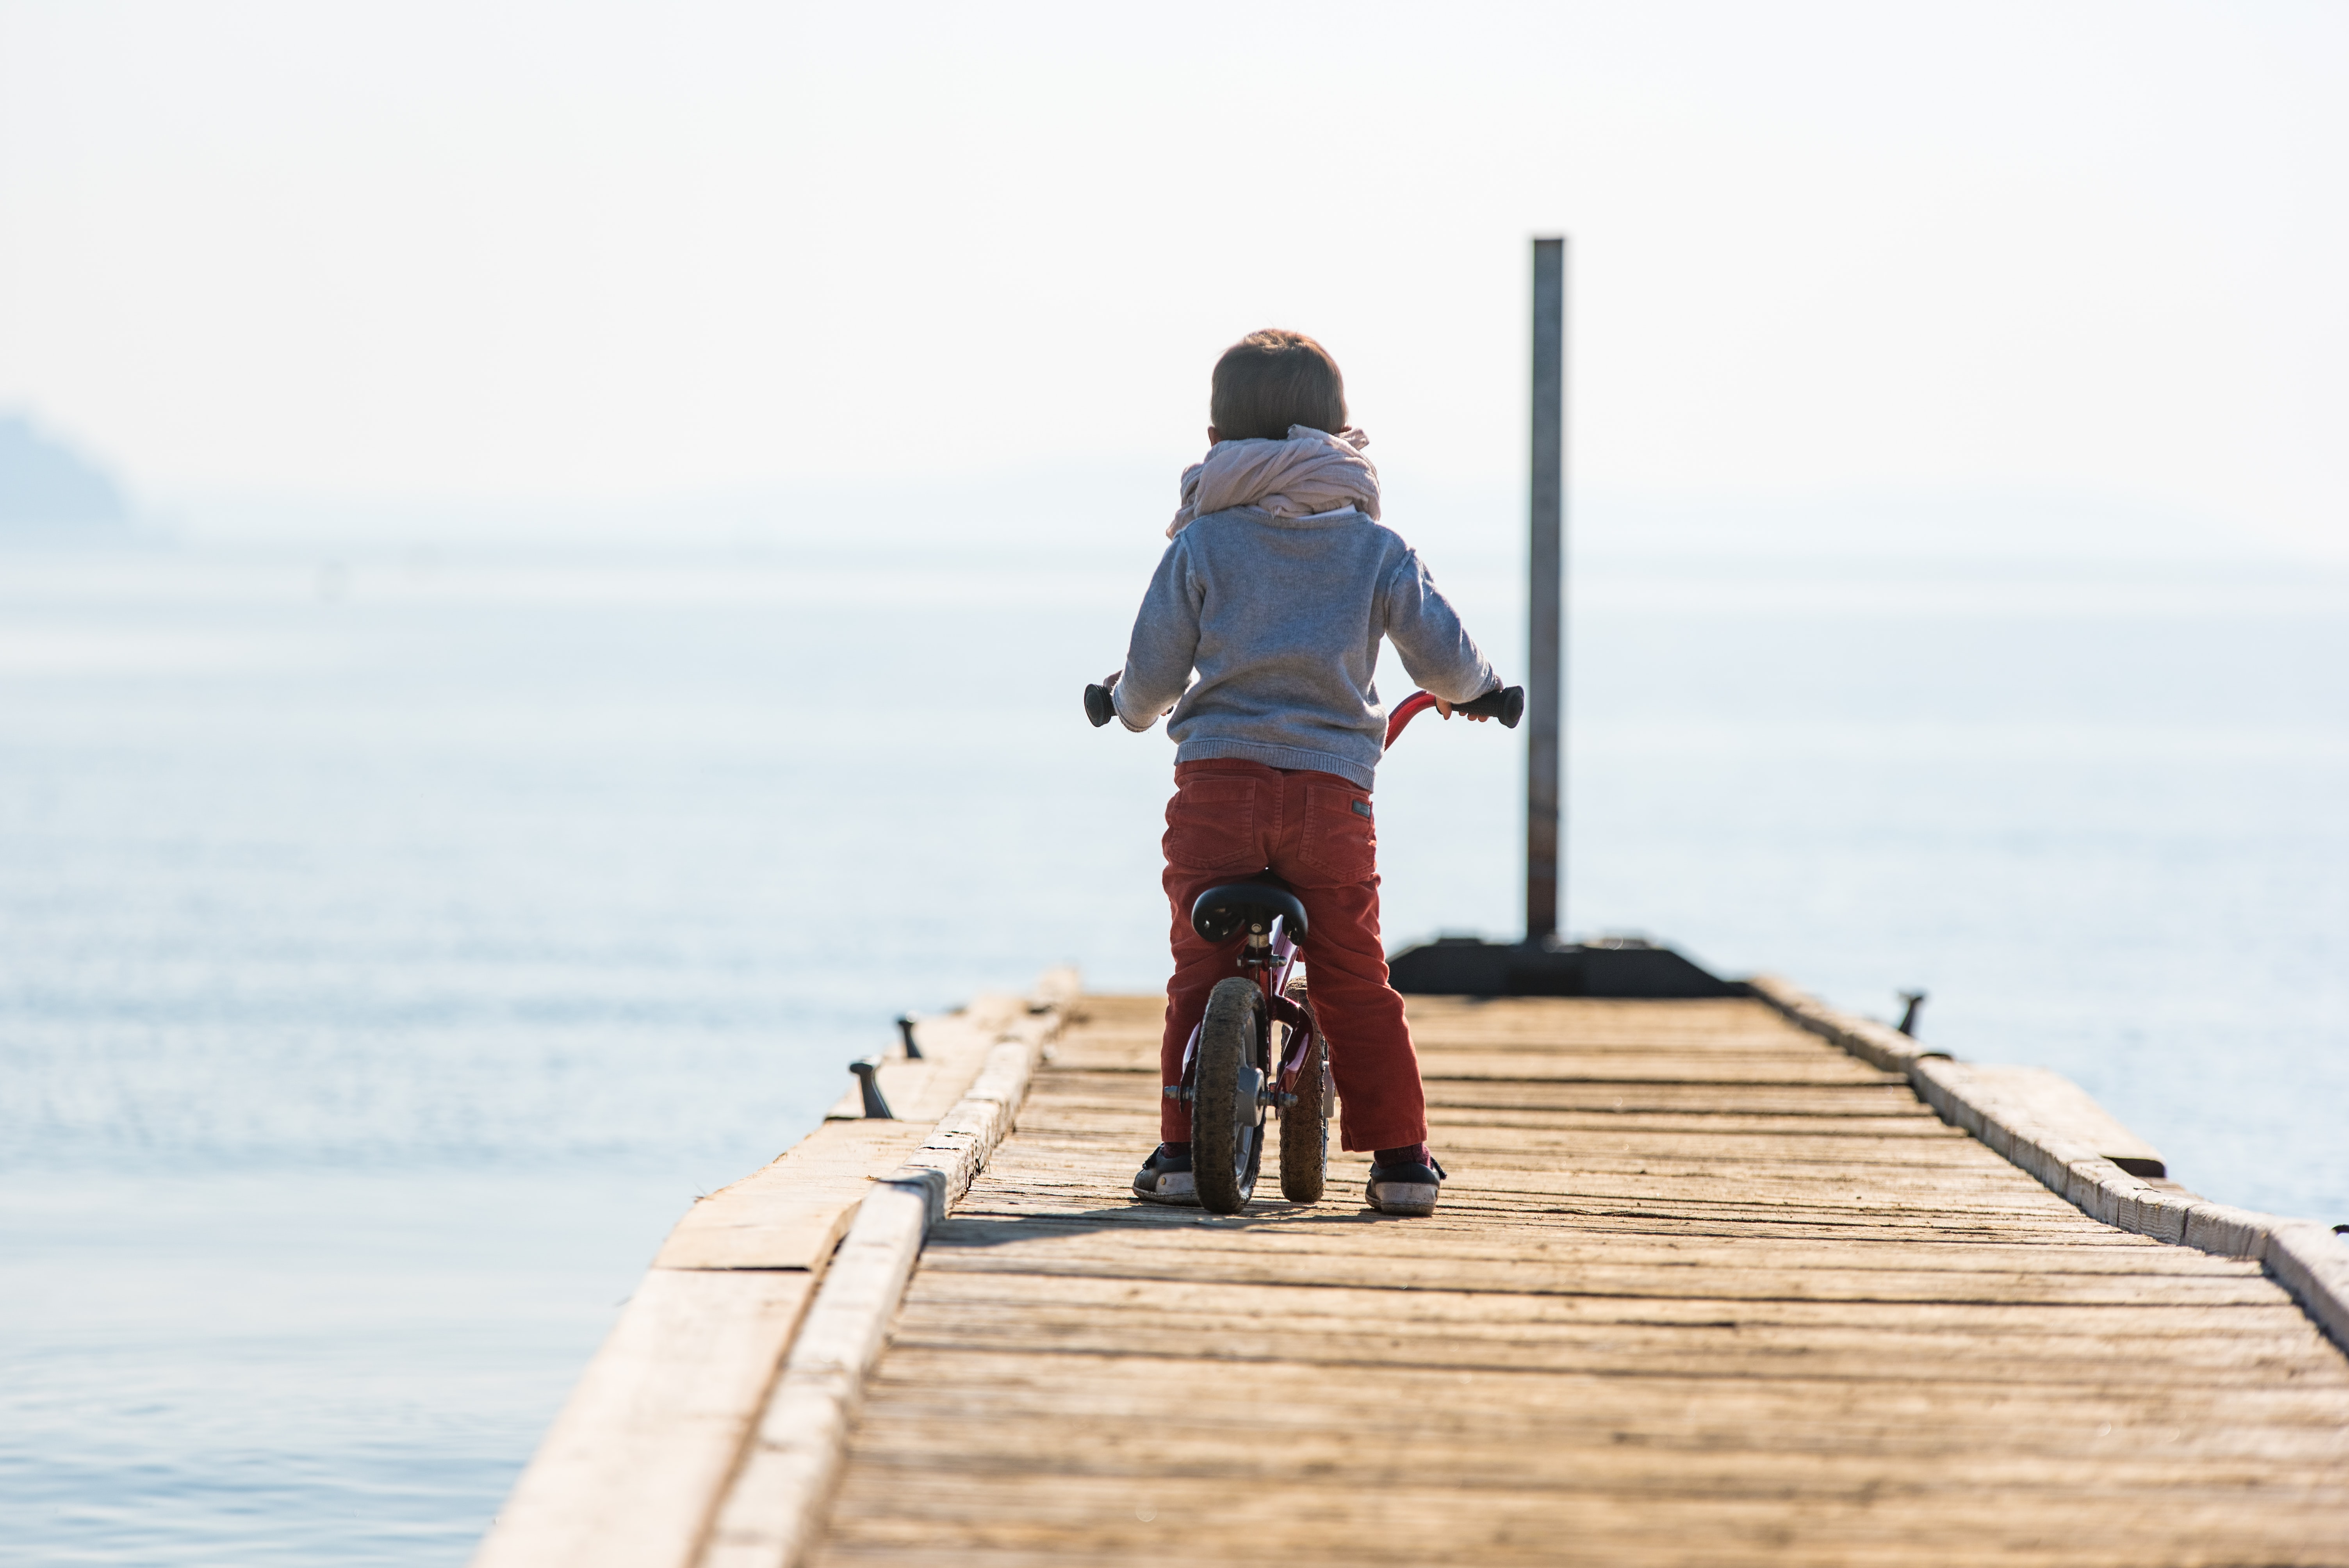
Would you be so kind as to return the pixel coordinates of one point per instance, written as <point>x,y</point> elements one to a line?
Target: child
<point>1278,586</point>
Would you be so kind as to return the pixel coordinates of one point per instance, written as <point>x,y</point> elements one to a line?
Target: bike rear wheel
<point>1227,1121</point>
<point>1305,1121</point>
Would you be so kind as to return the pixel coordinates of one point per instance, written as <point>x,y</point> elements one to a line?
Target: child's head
<point>1270,380</point>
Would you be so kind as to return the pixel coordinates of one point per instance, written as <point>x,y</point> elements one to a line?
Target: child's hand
<point>1444,709</point>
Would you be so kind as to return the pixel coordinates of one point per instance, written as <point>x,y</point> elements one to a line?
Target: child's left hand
<point>1444,709</point>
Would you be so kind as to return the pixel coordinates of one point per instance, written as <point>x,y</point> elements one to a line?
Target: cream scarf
<point>1309,473</point>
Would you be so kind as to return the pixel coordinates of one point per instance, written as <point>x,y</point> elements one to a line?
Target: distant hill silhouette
<point>44,481</point>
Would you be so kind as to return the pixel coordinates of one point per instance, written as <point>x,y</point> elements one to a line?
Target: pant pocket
<point>1341,840</point>
<point>1211,826</point>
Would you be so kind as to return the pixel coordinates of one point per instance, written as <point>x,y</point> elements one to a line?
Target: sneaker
<point>1405,1187</point>
<point>1165,1177</point>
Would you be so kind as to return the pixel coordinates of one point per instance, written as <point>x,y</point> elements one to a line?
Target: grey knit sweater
<point>1281,617</point>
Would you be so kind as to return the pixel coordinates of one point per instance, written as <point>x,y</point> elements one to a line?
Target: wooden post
<point>1544,691</point>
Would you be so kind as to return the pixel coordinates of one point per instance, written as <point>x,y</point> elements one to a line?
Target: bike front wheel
<point>1225,1118</point>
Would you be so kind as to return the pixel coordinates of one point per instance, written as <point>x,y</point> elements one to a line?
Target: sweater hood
<point>1308,473</point>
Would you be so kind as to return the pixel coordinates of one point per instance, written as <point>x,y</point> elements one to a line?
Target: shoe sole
<point>1411,1200</point>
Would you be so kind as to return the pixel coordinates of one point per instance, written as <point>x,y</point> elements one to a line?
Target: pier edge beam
<point>581,1500</point>
<point>774,1506</point>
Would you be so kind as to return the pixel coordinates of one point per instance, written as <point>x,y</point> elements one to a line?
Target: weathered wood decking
<point>1703,1289</point>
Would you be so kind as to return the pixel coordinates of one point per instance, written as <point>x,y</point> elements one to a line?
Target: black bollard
<point>867,1070</point>
<point>1907,1025</point>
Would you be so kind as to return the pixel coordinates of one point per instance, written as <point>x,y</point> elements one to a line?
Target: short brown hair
<point>1272,379</point>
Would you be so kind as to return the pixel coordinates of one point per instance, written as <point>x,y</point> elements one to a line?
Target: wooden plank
<point>2181,1331</point>
<point>2009,1446</point>
<point>791,1213</point>
<point>2062,1108</point>
<point>1631,1069</point>
<point>627,1472</point>
<point>1373,1516</point>
<point>1981,1363</point>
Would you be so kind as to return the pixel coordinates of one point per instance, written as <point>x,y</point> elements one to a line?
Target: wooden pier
<point>1735,1281</point>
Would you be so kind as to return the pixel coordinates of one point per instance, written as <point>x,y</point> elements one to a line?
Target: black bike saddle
<point>1222,911</point>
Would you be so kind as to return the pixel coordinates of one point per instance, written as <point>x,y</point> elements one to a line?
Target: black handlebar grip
<point>1098,706</point>
<point>1507,704</point>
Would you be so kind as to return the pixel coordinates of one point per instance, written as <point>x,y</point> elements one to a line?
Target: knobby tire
<point>1224,1126</point>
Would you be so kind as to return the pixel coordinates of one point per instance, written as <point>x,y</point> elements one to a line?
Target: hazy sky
<point>606,252</point>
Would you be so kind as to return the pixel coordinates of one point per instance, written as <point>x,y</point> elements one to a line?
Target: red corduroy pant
<point>1230,820</point>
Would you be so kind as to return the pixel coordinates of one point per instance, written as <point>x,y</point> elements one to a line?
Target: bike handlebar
<point>1506,704</point>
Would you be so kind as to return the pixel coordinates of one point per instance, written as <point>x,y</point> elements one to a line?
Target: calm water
<point>391,947</point>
